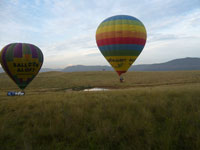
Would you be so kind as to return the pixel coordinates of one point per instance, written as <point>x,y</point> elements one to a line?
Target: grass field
<point>149,111</point>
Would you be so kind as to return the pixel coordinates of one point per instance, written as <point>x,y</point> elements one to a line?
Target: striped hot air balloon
<point>22,62</point>
<point>121,39</point>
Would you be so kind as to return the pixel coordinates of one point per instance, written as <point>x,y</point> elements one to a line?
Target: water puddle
<point>96,89</point>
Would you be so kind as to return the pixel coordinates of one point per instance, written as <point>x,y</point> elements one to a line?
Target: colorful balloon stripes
<point>121,39</point>
<point>22,62</point>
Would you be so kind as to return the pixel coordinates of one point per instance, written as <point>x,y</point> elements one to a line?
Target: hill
<point>49,69</point>
<point>80,68</point>
<point>173,65</point>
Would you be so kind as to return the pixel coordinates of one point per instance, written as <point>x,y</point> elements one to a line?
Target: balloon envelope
<point>22,62</point>
<point>121,39</point>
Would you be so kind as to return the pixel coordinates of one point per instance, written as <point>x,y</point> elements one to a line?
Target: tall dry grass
<point>159,113</point>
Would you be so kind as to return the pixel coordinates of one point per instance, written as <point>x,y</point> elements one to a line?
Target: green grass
<point>149,111</point>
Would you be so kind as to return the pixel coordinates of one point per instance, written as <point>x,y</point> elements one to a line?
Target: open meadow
<point>149,111</point>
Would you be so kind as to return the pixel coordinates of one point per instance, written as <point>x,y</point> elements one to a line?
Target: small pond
<point>96,89</point>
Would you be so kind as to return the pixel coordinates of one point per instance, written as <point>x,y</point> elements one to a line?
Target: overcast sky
<point>65,29</point>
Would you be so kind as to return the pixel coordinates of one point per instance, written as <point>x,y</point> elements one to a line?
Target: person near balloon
<point>121,79</point>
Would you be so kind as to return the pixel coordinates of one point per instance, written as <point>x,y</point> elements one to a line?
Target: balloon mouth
<point>120,72</point>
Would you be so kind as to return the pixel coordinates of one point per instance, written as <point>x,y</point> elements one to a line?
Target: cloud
<point>176,27</point>
<point>65,29</point>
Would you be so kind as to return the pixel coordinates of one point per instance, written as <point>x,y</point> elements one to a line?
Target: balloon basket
<point>11,93</point>
<point>121,79</point>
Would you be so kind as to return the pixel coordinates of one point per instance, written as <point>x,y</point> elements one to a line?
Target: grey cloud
<point>93,54</point>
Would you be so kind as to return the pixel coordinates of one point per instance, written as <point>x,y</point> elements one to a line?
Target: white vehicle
<point>10,93</point>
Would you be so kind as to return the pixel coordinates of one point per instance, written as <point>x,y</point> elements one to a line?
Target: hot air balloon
<point>22,62</point>
<point>121,39</point>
